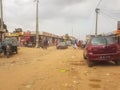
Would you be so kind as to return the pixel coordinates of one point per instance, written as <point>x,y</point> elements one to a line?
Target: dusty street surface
<point>51,69</point>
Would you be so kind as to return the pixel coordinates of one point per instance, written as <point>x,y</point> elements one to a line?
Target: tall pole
<point>96,27</point>
<point>37,25</point>
<point>72,31</point>
<point>1,19</point>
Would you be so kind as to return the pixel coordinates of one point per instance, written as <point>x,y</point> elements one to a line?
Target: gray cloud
<point>67,9</point>
<point>59,16</point>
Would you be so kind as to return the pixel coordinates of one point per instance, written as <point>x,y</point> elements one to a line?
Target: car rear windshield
<point>102,40</point>
<point>62,43</point>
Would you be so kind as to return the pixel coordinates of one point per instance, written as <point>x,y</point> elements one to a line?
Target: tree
<point>17,30</point>
<point>67,36</point>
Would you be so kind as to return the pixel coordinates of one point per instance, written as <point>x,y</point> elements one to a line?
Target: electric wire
<point>98,3</point>
<point>110,16</point>
<point>111,11</point>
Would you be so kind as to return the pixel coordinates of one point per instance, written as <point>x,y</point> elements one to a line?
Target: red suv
<point>101,48</point>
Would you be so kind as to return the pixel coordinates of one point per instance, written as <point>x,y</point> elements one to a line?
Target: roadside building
<point>116,33</point>
<point>28,38</point>
<point>16,35</point>
<point>1,35</point>
<point>51,38</point>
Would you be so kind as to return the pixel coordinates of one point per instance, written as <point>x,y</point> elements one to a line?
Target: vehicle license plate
<point>104,57</point>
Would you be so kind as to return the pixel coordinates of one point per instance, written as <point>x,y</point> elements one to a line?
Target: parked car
<point>61,45</point>
<point>68,43</point>
<point>9,46</point>
<point>101,48</point>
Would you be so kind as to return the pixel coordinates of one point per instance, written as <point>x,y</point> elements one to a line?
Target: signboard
<point>14,34</point>
<point>46,34</point>
<point>117,32</point>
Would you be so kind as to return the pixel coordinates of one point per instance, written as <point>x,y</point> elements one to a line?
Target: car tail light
<point>118,46</point>
<point>89,48</point>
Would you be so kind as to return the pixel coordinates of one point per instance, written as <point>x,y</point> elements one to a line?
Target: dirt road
<point>51,69</point>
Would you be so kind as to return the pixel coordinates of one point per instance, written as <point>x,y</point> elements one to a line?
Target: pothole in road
<point>95,80</point>
<point>94,85</point>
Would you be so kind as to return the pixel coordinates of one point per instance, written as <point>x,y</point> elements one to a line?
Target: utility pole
<point>37,24</point>
<point>72,31</point>
<point>1,19</point>
<point>96,28</point>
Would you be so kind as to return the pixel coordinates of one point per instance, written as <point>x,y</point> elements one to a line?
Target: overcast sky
<point>73,17</point>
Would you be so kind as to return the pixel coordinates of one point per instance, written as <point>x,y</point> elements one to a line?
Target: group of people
<point>78,44</point>
<point>44,43</point>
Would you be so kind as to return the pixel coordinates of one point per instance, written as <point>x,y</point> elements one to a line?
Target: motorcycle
<point>8,50</point>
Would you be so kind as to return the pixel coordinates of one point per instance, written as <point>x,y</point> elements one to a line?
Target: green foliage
<point>67,36</point>
<point>17,30</point>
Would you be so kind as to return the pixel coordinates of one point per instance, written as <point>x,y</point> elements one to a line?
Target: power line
<point>109,20</point>
<point>115,18</point>
<point>111,11</point>
<point>99,3</point>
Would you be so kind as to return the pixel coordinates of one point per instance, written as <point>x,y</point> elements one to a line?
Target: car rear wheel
<point>90,63</point>
<point>117,62</point>
<point>7,54</point>
<point>84,56</point>
<point>16,51</point>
